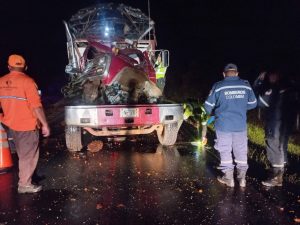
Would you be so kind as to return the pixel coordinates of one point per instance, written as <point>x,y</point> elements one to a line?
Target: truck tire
<point>73,138</point>
<point>169,134</point>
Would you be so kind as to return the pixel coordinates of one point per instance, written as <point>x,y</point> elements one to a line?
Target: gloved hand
<point>210,120</point>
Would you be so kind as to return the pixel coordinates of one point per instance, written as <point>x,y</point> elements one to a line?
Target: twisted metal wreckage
<point>111,51</point>
<point>112,88</point>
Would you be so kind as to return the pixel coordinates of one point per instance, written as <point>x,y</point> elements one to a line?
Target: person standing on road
<point>279,100</point>
<point>23,115</point>
<point>230,99</point>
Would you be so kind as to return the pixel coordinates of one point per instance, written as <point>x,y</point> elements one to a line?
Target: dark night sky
<point>202,36</point>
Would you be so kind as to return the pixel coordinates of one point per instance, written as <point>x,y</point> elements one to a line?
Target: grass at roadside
<point>256,135</point>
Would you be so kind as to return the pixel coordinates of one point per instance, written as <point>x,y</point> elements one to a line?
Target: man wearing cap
<point>23,115</point>
<point>229,100</point>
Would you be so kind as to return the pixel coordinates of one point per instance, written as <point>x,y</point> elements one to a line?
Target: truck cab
<point>112,89</point>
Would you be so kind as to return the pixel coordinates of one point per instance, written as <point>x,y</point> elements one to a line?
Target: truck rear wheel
<point>169,134</point>
<point>73,138</point>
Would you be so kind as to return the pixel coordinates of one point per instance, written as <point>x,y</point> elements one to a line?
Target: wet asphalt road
<point>142,183</point>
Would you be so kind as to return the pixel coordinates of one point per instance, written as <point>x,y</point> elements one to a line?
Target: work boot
<point>29,189</point>
<point>241,177</point>
<point>227,178</point>
<point>275,179</point>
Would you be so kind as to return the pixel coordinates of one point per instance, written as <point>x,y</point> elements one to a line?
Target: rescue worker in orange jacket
<point>23,115</point>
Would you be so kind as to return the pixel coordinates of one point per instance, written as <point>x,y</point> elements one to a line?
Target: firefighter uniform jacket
<point>230,99</point>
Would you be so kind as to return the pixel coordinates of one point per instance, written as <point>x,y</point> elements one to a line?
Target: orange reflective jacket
<point>18,97</point>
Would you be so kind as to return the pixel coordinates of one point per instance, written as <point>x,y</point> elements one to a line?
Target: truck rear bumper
<point>124,132</point>
<point>118,116</point>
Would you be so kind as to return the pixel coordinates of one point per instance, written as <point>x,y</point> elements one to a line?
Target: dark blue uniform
<point>230,99</point>
<point>280,104</point>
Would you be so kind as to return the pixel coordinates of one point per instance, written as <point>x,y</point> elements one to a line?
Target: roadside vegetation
<point>256,135</point>
<point>257,144</point>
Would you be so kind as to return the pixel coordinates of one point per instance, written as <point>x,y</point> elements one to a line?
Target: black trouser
<point>161,83</point>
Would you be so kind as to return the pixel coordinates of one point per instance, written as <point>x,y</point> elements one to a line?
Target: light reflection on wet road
<point>135,183</point>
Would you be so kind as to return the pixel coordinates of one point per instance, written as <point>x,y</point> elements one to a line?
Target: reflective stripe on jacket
<point>160,71</point>
<point>280,104</point>
<point>230,99</point>
<point>18,97</point>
